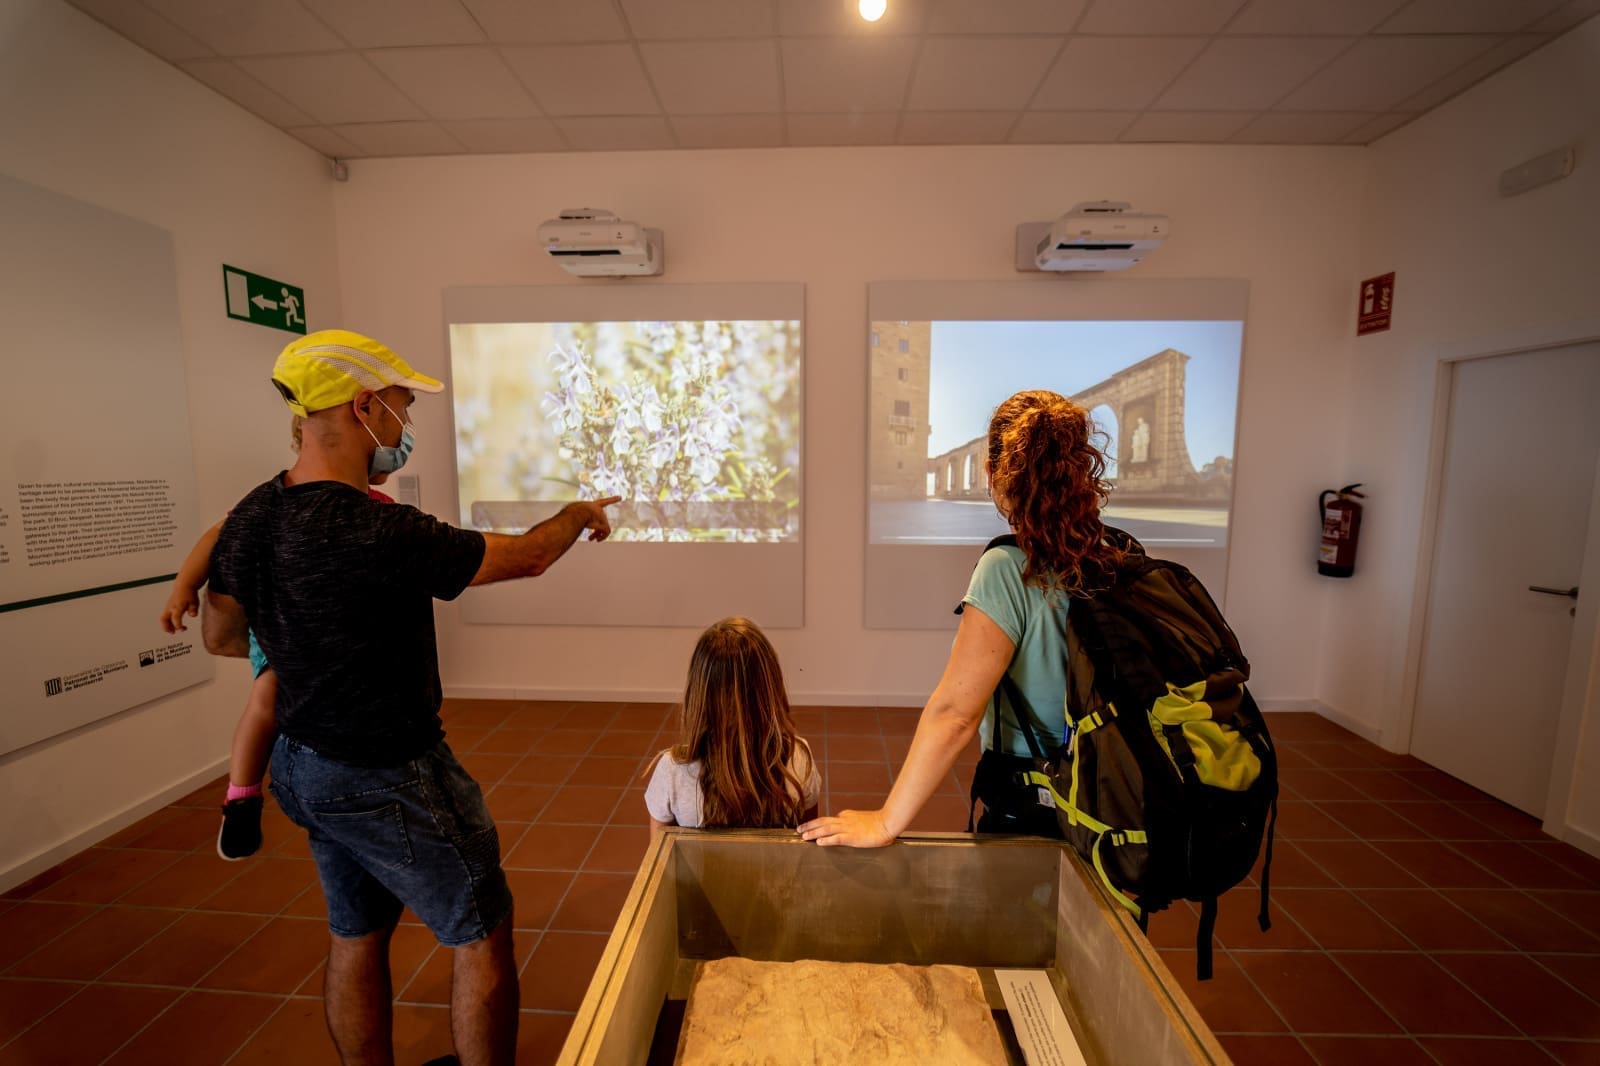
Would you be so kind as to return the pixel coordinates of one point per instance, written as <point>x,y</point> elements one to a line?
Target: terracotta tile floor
<point>1417,920</point>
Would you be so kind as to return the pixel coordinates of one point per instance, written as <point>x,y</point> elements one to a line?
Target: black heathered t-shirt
<point>339,589</point>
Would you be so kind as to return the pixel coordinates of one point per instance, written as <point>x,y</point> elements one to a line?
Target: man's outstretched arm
<point>532,553</point>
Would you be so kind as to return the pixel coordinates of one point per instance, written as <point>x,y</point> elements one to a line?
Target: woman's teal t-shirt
<point>1036,622</point>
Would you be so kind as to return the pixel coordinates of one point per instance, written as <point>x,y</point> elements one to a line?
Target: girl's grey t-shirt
<point>673,794</point>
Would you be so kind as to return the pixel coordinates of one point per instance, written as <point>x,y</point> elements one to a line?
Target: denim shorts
<point>416,835</point>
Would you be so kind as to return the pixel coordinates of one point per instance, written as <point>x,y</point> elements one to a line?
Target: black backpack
<point>1167,780</point>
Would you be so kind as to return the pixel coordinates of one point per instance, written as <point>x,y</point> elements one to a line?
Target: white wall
<point>1285,219</point>
<point>1470,267</point>
<point>87,114</point>
<point>1468,264</point>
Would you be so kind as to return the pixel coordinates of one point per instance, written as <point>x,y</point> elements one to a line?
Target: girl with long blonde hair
<point>1047,476</point>
<point>738,761</point>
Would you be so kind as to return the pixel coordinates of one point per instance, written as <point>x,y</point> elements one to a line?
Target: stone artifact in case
<point>742,1012</point>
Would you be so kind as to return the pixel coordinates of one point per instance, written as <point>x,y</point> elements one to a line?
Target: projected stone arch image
<point>1151,448</point>
<point>961,471</point>
<point>1140,407</point>
<point>1146,402</point>
<point>1162,397</point>
<point>1107,427</point>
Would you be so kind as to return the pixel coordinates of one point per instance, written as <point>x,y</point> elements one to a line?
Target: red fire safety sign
<point>1377,303</point>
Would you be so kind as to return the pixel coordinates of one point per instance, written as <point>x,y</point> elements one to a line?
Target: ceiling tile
<point>1013,16</point>
<point>979,74</point>
<point>1301,127</point>
<point>335,87</point>
<point>1379,72</point>
<point>1567,16</point>
<point>1280,71</point>
<point>1467,16</point>
<point>223,76</point>
<point>728,131</point>
<point>955,127</point>
<point>1114,73</point>
<point>846,74</point>
<point>507,135</point>
<point>1463,78</point>
<point>399,138</point>
<point>713,77</point>
<point>855,128</point>
<point>396,23</point>
<point>145,28</point>
<point>616,133</point>
<point>699,19</point>
<point>547,21</point>
<point>456,82</point>
<point>1158,16</point>
<point>1248,73</point>
<point>325,141</point>
<point>1186,126</point>
<point>1312,16</point>
<point>1071,127</point>
<point>584,79</point>
<point>1378,126</point>
<point>812,17</point>
<point>250,27</point>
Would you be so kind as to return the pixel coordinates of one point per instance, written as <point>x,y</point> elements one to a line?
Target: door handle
<point>1571,593</point>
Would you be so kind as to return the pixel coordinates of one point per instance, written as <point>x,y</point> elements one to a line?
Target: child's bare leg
<point>253,736</point>
<point>240,835</point>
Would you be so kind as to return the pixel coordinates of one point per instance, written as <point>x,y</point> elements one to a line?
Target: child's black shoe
<point>240,836</point>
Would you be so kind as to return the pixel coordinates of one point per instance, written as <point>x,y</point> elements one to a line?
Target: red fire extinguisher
<point>1341,529</point>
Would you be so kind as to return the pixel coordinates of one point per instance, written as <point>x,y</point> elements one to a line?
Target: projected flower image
<point>694,424</point>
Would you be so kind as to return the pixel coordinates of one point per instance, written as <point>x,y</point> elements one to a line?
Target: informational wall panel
<point>96,466</point>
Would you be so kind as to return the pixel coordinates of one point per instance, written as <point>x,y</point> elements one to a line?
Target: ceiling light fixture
<point>872,10</point>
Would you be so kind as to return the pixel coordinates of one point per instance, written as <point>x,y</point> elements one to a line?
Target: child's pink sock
<point>237,792</point>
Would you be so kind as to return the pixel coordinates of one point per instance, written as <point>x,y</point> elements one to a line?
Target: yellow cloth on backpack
<point>1222,757</point>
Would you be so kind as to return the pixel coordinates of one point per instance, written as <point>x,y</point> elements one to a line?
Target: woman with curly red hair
<point>1047,477</point>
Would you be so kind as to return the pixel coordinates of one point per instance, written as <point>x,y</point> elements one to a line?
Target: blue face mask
<point>386,459</point>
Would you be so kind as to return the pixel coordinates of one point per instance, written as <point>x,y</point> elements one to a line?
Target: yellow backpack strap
<point>1090,722</point>
<point>1082,728</point>
<point>1118,837</point>
<point>1042,780</point>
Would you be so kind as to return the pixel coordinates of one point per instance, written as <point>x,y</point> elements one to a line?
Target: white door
<point>1520,454</point>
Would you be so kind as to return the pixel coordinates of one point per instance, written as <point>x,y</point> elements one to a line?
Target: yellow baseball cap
<point>330,367</point>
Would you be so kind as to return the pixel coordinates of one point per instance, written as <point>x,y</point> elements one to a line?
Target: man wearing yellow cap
<point>338,591</point>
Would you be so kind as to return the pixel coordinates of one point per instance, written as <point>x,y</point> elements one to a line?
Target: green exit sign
<point>253,298</point>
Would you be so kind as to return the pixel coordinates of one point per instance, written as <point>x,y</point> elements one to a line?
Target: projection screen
<point>685,400</point>
<point>1157,363</point>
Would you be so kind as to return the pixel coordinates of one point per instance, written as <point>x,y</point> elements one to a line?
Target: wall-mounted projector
<point>1095,236</point>
<point>594,243</point>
